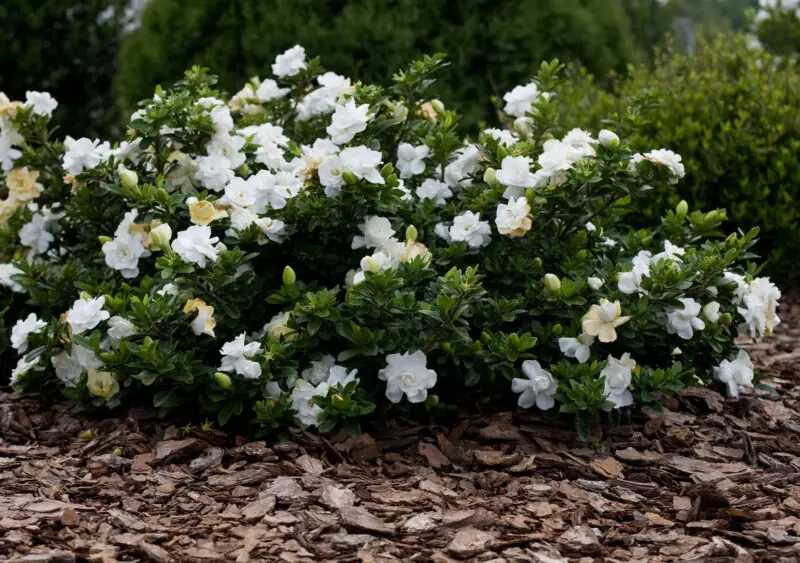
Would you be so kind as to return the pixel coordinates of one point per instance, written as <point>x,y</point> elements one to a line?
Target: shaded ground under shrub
<point>710,479</point>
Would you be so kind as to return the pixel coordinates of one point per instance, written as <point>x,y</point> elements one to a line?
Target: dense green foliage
<point>777,27</point>
<point>68,48</point>
<point>731,112</point>
<point>493,45</point>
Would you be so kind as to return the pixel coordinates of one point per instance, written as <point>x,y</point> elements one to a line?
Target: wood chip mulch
<point>711,479</point>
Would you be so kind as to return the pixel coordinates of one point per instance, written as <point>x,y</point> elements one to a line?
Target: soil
<point>710,479</point>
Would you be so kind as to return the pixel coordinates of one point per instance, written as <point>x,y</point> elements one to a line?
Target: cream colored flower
<point>7,209</point>
<point>602,320</point>
<point>7,107</point>
<point>204,322</point>
<point>204,212</point>
<point>22,184</point>
<point>101,384</point>
<point>278,327</point>
<point>414,249</point>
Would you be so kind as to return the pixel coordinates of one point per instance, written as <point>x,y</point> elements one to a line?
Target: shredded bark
<point>710,479</point>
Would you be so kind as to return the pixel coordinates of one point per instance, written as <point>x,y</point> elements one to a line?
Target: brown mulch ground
<point>710,480</point>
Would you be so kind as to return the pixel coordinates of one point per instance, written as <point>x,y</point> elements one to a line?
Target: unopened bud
<point>400,112</point>
<point>608,139</point>
<point>411,233</point>
<point>289,277</point>
<point>127,177</point>
<point>104,239</point>
<point>349,177</point>
<point>490,177</point>
<point>160,237</point>
<point>557,329</point>
<point>725,319</point>
<point>552,283</point>
<point>437,105</point>
<point>223,380</point>
<point>339,401</point>
<point>681,210</point>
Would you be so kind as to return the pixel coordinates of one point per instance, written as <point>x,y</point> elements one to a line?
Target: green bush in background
<point>493,44</point>
<point>731,112</point>
<point>65,47</point>
<point>777,26</point>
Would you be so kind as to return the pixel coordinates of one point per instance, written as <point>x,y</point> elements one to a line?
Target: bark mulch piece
<point>710,479</point>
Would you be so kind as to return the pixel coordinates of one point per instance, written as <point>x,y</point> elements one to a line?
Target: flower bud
<point>128,178</point>
<point>490,177</point>
<point>243,170</point>
<point>552,283</point>
<point>595,283</point>
<point>437,105</point>
<point>160,237</point>
<point>557,329</point>
<point>289,277</point>
<point>608,139</point>
<point>524,126</point>
<point>104,239</point>
<point>581,255</point>
<point>677,351</point>
<point>431,400</point>
<point>86,295</point>
<point>338,400</point>
<point>681,210</point>
<point>223,380</point>
<point>349,177</point>
<point>537,262</point>
<point>725,319</point>
<point>411,233</point>
<point>400,112</point>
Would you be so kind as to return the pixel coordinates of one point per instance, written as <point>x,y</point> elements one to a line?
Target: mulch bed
<point>711,479</point>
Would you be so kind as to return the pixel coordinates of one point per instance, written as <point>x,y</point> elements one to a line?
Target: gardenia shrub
<point>730,110</point>
<point>325,253</point>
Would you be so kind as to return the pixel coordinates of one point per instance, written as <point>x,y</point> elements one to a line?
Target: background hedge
<point>65,47</point>
<point>731,112</point>
<point>493,44</point>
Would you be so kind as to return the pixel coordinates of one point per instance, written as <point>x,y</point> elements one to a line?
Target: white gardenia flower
<point>23,366</point>
<point>42,103</point>
<point>736,373</point>
<point>469,228</point>
<point>35,235</point>
<point>608,139</point>
<point>378,262</point>
<point>214,172</point>
<point>580,140</point>
<point>195,245</point>
<point>363,163</point>
<point>24,328</point>
<point>290,62</point>
<point>8,154</point>
<point>671,252</point>
<point>559,156</point>
<point>438,191</point>
<point>442,231</point>
<point>319,370</point>
<point>338,376</point>
<point>538,389</point>
<point>303,405</point>
<point>83,154</point>
<point>411,159</point>
<point>123,254</point>
<point>515,173</point>
<point>236,358</point>
<point>711,311</point>
<point>269,90</point>
<point>760,305</point>
<point>348,120</point>
<point>503,137</point>
<point>617,376</point>
<point>119,328</point>
<point>330,175</point>
<point>230,147</point>
<point>669,160</point>
<point>631,282</point>
<point>86,313</point>
<point>519,100</point>
<point>407,374</point>
<point>274,229</point>
<point>377,232</point>
<point>684,322</point>
<point>514,218</point>
<point>323,100</point>
<point>313,155</point>
<point>221,119</point>
<point>467,162</point>
<point>6,279</point>
<point>594,282</point>
<point>578,348</point>
<point>240,192</point>
<point>70,365</point>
